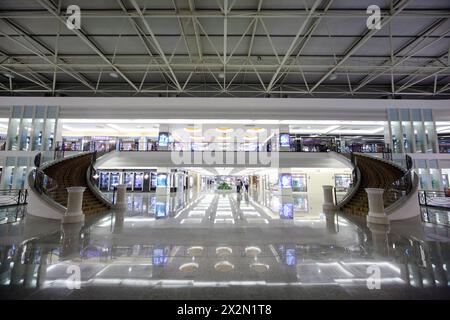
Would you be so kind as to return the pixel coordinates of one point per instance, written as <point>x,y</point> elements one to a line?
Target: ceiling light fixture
<point>333,76</point>
<point>113,75</point>
<point>224,129</point>
<point>8,75</point>
<point>255,130</point>
<point>221,75</point>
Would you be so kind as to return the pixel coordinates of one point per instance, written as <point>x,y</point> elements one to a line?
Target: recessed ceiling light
<point>224,129</point>
<point>113,75</point>
<point>8,75</point>
<point>333,76</point>
<point>255,130</point>
<point>221,75</point>
<point>192,129</point>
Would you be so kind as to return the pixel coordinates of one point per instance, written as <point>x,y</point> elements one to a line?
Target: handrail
<point>426,198</point>
<point>356,174</point>
<point>38,187</point>
<point>13,197</point>
<point>91,172</point>
<point>42,184</point>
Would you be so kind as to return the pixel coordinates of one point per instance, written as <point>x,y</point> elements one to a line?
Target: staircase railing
<point>13,197</point>
<point>356,181</point>
<point>42,184</point>
<point>92,179</point>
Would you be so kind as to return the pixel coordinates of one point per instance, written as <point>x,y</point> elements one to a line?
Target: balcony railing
<point>12,197</point>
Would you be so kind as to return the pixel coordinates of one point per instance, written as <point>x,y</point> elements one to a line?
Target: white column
<point>74,212</point>
<point>121,193</point>
<point>328,198</point>
<point>376,206</point>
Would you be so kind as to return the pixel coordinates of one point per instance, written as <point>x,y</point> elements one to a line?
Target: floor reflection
<point>225,241</point>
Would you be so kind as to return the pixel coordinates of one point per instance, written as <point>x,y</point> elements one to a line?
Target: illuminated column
<point>328,198</point>
<point>284,139</point>
<point>162,181</point>
<point>285,182</point>
<point>121,202</point>
<point>287,207</point>
<point>376,206</point>
<point>163,137</point>
<point>74,212</point>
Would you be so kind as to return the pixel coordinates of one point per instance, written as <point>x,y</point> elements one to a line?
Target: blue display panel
<point>115,179</point>
<point>161,180</point>
<point>138,180</point>
<point>104,180</point>
<point>163,139</point>
<point>285,140</point>
<point>286,180</point>
<point>161,210</point>
<point>129,180</point>
<point>290,257</point>
<point>287,211</point>
<point>159,257</point>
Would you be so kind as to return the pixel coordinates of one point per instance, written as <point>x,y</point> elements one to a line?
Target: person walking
<point>238,186</point>
<point>246,186</point>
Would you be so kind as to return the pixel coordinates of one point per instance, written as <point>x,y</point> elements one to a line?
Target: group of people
<point>241,185</point>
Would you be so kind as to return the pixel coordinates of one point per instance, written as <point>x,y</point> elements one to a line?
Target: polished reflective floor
<point>223,246</point>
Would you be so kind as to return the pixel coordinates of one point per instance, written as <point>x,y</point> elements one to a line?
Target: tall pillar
<point>121,193</point>
<point>376,206</point>
<point>328,199</point>
<point>74,212</point>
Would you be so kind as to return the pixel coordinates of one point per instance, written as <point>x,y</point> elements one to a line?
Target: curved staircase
<point>71,172</point>
<point>375,173</point>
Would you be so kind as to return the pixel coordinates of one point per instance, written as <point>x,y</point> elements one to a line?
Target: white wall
<point>225,108</point>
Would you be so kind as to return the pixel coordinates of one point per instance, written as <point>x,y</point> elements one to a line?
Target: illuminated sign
<point>286,181</point>
<point>287,211</point>
<point>161,180</point>
<point>163,139</point>
<point>285,140</point>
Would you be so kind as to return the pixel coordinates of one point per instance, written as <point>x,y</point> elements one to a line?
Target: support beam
<point>359,43</point>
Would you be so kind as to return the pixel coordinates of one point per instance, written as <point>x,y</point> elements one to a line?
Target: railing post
<point>376,206</point>
<point>18,198</point>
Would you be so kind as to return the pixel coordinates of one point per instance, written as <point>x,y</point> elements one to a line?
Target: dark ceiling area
<point>226,48</point>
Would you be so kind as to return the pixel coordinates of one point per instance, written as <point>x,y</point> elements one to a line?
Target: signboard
<point>163,140</point>
<point>161,180</point>
<point>285,140</point>
<point>286,181</point>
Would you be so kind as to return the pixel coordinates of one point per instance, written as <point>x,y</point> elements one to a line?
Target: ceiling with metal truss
<point>226,48</point>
